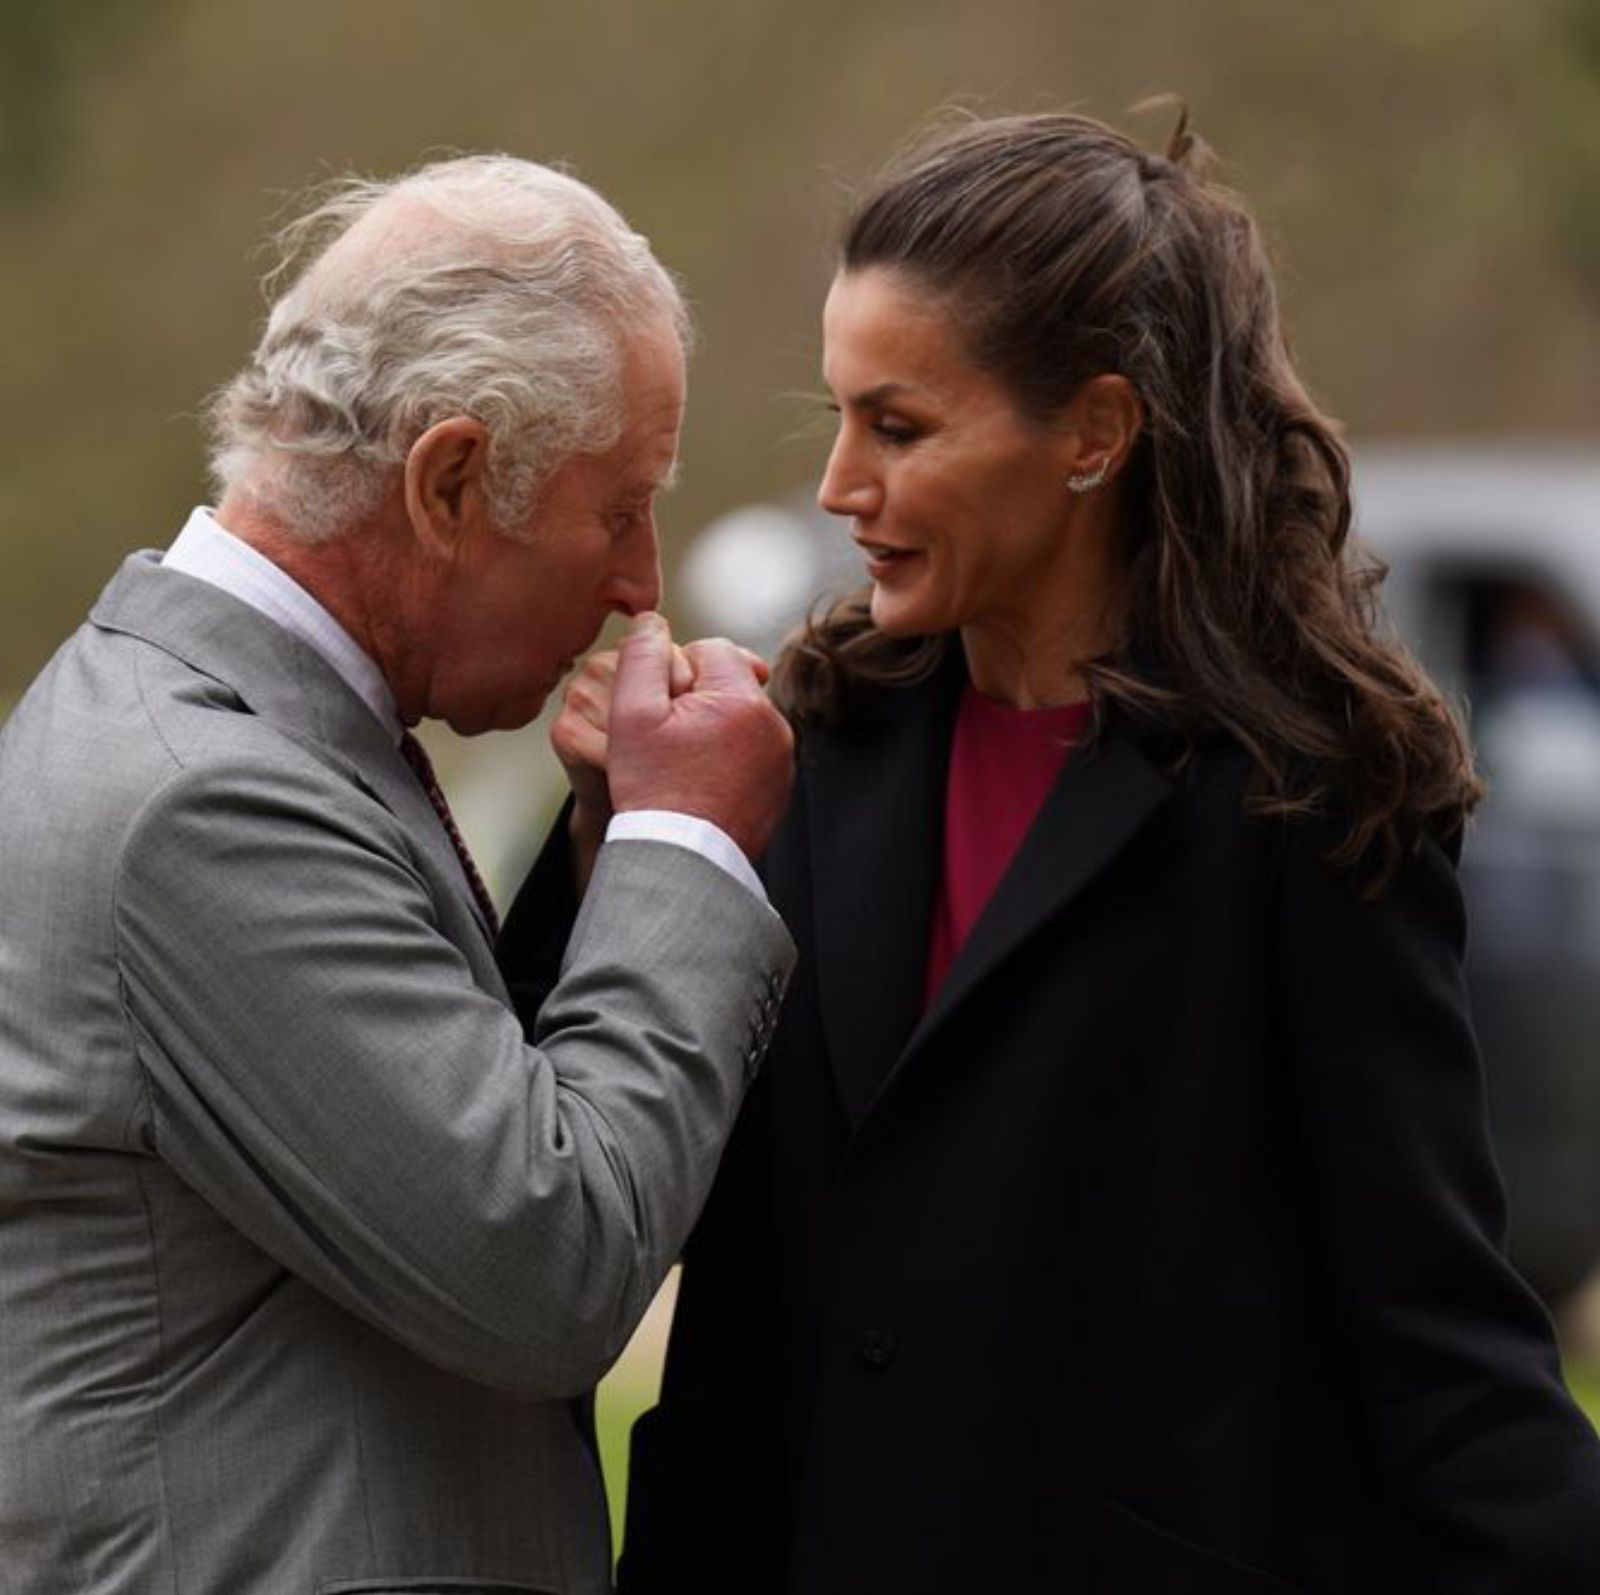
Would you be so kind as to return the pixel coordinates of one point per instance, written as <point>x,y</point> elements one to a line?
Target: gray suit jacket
<point>308,1256</point>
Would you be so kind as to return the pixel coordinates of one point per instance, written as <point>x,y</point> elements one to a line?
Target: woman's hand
<point>579,737</point>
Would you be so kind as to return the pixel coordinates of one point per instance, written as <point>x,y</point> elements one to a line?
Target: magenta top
<point>1003,761</point>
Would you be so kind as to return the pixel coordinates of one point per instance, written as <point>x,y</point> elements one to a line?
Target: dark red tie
<point>416,756</point>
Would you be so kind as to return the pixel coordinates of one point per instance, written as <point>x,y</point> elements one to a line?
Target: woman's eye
<point>893,431</point>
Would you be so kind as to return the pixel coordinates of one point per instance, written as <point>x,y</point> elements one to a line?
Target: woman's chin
<point>897,617</point>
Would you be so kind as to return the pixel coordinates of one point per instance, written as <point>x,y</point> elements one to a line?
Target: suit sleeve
<point>324,1069</point>
<point>703,1478</point>
<point>1494,1474</point>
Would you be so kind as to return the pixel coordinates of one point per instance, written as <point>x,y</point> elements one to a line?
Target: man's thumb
<point>644,670</point>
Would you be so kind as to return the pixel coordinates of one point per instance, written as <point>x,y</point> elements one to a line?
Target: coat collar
<point>875,803</point>
<point>280,679</point>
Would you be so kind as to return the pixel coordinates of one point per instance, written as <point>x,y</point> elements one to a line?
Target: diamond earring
<point>1088,481</point>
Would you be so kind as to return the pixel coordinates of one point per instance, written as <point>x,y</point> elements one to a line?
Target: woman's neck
<point>1031,672</point>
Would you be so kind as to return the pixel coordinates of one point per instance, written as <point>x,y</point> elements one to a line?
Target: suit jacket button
<point>877,1348</point>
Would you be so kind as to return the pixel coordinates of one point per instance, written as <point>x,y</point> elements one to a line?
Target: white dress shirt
<point>208,551</point>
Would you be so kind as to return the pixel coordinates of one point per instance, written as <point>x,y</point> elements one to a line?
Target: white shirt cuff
<point>710,841</point>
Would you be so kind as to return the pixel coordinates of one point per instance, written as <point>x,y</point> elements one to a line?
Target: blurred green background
<point>1428,173</point>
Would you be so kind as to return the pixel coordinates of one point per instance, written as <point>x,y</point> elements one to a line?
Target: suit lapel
<point>282,680</point>
<point>875,808</point>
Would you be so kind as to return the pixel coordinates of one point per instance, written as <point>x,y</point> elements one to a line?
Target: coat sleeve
<point>323,1068</point>
<point>706,1474</point>
<point>534,938</point>
<point>1494,1473</point>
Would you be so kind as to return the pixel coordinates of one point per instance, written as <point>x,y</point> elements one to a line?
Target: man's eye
<point>895,431</point>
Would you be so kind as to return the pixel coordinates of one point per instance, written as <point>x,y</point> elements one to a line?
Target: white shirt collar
<point>208,551</point>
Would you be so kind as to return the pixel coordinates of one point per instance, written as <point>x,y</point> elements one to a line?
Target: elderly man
<point>309,1256</point>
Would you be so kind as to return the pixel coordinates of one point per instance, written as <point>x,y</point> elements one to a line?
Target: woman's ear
<point>1104,419</point>
<point>446,497</point>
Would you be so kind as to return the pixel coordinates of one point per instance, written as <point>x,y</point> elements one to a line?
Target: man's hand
<point>580,734</point>
<point>716,749</point>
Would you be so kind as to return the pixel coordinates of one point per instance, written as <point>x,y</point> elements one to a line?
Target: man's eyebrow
<point>643,487</point>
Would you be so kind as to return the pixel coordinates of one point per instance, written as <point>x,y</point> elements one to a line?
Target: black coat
<point>1160,1256</point>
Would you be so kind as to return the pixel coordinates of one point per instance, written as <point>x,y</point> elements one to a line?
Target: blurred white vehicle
<point>1495,580</point>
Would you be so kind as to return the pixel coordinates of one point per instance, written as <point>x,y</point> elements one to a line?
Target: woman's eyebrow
<point>881,393</point>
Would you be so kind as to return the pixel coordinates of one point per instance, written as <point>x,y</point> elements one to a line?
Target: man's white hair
<point>484,286</point>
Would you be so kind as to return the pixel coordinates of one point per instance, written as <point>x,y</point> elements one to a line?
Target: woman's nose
<point>848,487</point>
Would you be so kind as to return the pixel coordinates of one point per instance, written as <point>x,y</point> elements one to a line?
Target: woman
<point>1115,1210</point>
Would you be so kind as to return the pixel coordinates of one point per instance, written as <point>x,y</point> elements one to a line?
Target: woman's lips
<point>884,561</point>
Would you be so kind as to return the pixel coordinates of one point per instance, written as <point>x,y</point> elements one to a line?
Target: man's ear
<point>446,499</point>
<point>1104,419</point>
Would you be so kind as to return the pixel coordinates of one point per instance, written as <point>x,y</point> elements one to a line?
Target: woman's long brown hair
<point>1066,252</point>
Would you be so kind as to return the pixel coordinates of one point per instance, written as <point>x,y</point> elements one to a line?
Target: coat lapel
<point>877,799</point>
<point>1099,803</point>
<point>875,816</point>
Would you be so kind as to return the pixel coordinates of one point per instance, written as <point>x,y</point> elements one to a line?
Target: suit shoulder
<point>256,781</point>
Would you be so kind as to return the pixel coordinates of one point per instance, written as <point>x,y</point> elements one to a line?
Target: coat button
<point>877,1348</point>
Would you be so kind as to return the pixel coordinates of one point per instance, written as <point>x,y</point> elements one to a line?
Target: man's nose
<point>636,582</point>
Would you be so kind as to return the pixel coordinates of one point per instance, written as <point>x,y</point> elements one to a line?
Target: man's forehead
<point>654,390</point>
